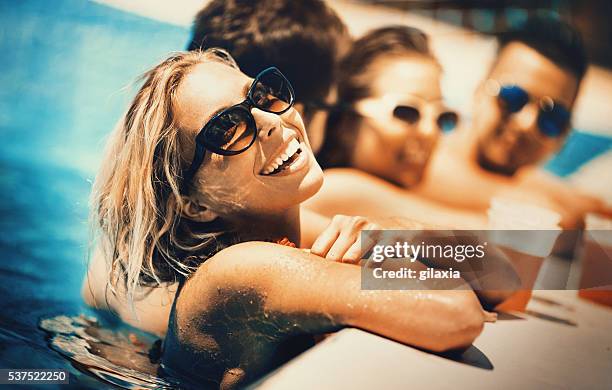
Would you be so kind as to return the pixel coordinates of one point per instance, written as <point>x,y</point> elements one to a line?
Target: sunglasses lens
<point>447,121</point>
<point>272,92</point>
<point>407,114</point>
<point>233,130</point>
<point>553,122</point>
<point>513,97</point>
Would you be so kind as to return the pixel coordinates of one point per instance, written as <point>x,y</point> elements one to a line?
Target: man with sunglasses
<point>523,109</point>
<point>521,117</point>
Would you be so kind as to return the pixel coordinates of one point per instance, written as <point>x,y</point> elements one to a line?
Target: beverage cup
<point>596,259</point>
<point>526,233</point>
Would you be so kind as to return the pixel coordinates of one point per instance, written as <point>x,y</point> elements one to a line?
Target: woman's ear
<point>198,212</point>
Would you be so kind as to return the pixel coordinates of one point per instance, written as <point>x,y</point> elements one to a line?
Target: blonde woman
<point>201,182</point>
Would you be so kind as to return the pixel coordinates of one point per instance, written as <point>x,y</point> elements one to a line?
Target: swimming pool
<point>64,65</point>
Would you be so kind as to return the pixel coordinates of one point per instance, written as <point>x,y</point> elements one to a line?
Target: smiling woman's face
<point>243,184</point>
<point>388,146</point>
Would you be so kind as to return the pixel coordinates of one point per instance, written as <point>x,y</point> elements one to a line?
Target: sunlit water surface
<point>61,77</point>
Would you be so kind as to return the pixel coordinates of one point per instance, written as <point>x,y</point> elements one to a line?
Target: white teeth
<point>292,147</point>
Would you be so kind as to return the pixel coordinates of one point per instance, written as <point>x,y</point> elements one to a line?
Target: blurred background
<point>65,78</point>
<point>492,16</point>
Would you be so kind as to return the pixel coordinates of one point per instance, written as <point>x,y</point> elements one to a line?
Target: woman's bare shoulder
<point>256,262</point>
<point>148,311</point>
<point>95,284</point>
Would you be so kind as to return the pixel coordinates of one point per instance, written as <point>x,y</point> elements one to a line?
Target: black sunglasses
<point>233,130</point>
<point>553,117</point>
<point>446,120</point>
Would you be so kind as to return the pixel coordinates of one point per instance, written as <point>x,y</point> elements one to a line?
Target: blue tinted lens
<point>447,121</point>
<point>514,97</point>
<point>552,123</point>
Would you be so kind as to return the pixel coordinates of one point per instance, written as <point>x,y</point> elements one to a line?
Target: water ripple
<point>121,358</point>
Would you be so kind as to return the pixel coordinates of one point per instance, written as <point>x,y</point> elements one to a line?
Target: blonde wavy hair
<point>137,206</point>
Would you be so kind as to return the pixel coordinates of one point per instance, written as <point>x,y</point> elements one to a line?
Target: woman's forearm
<point>430,319</point>
<point>298,284</point>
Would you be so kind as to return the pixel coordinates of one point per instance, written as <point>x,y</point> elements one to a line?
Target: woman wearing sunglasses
<point>197,206</point>
<point>392,111</point>
<point>380,139</point>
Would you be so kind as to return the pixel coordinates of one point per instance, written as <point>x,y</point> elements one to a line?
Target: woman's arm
<point>352,192</point>
<point>339,239</point>
<point>266,281</point>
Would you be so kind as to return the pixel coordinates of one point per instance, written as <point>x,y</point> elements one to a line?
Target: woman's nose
<point>428,127</point>
<point>268,124</point>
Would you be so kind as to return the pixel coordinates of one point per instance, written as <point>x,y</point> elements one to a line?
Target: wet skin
<point>232,317</point>
<point>253,305</point>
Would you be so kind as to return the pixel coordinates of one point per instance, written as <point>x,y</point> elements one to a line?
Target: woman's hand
<point>341,240</point>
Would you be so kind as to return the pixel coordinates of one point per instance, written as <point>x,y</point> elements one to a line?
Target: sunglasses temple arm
<point>198,157</point>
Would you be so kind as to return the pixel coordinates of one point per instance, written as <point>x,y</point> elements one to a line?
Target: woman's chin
<point>312,182</point>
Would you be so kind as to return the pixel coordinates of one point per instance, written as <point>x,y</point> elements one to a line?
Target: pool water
<point>64,64</point>
<point>63,67</point>
<point>116,355</point>
<point>42,245</point>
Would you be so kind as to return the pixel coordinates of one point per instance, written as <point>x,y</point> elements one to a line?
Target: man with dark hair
<point>521,117</point>
<point>304,39</point>
<point>525,108</point>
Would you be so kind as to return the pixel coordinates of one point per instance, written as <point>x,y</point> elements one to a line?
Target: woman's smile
<point>291,156</point>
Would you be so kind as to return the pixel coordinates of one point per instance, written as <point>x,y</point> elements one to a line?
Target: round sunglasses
<point>553,117</point>
<point>233,130</point>
<point>446,120</point>
<point>411,114</point>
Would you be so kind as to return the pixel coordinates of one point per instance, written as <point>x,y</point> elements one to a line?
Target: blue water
<point>64,64</point>
<point>579,149</point>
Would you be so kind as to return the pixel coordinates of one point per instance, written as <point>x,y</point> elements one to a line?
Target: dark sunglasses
<point>446,120</point>
<point>553,117</point>
<point>233,130</point>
